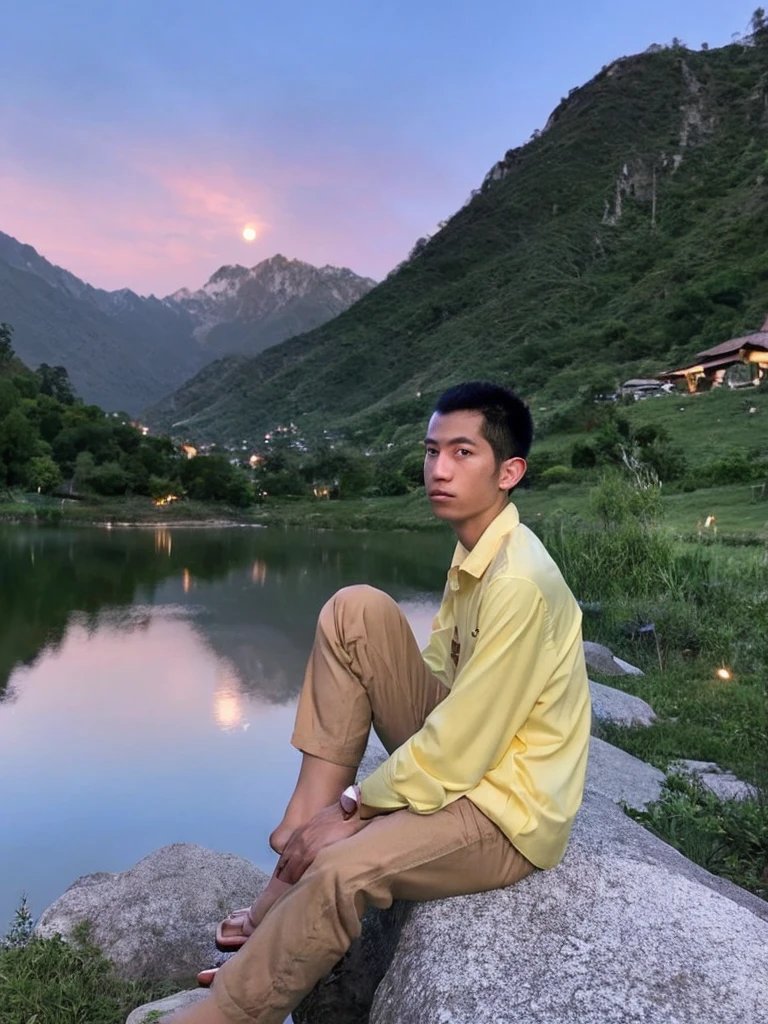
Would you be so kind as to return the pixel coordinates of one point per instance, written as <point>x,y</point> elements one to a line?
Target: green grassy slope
<point>555,274</point>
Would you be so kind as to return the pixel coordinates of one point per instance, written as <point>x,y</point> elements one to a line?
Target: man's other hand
<point>324,829</point>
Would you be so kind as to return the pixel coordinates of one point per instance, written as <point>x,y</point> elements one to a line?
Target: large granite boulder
<point>624,931</point>
<point>157,920</point>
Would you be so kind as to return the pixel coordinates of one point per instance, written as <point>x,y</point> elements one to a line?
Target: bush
<point>583,456</point>
<point>109,479</point>
<point>615,501</point>
<point>727,837</point>
<point>49,981</point>
<point>557,475</point>
<point>736,468</point>
<point>43,474</point>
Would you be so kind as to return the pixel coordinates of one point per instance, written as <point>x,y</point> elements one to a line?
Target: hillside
<point>629,234</point>
<point>123,350</point>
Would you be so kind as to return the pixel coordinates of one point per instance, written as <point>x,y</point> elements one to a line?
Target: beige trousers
<point>365,668</point>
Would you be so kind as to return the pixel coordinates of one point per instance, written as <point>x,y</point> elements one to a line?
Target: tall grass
<point>49,981</point>
<point>680,610</point>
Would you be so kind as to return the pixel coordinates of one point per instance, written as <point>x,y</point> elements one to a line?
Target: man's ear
<point>511,472</point>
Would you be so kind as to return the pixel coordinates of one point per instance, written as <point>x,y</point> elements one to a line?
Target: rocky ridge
<point>125,350</point>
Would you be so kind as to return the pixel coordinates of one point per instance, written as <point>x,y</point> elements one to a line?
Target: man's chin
<point>444,510</point>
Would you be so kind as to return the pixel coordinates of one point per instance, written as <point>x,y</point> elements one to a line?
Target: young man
<point>487,731</point>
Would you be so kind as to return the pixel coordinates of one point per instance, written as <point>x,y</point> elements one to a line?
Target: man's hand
<point>326,828</point>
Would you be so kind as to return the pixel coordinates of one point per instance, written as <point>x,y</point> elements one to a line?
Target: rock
<point>621,777</point>
<point>157,920</point>
<point>601,659</point>
<point>624,931</point>
<point>724,785</point>
<point>153,1013</point>
<point>612,705</point>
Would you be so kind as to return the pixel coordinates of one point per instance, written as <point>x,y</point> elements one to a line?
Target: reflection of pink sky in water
<point>155,676</point>
<point>135,734</point>
<point>127,738</point>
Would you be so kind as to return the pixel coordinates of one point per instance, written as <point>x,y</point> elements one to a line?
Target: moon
<point>249,234</point>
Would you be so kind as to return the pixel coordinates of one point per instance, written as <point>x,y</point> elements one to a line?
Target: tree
<point>109,478</point>
<point>6,346</point>
<point>84,467</point>
<point>9,398</point>
<point>758,22</point>
<point>17,444</point>
<point>43,474</point>
<point>54,381</point>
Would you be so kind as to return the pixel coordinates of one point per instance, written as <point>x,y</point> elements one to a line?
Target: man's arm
<point>473,727</point>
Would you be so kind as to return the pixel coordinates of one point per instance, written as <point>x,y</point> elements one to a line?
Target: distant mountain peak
<point>124,350</point>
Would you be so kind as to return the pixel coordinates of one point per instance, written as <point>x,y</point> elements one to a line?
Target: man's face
<point>462,479</point>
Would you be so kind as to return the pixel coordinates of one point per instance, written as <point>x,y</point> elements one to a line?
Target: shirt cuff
<point>377,792</point>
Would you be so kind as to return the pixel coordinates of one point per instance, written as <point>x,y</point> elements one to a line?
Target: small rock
<point>602,659</point>
<point>612,705</point>
<point>724,785</point>
<point>153,1013</point>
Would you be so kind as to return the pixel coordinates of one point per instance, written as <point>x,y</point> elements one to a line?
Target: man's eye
<point>430,451</point>
<point>464,451</point>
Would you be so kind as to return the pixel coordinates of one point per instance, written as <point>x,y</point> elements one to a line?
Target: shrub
<point>50,981</point>
<point>583,456</point>
<point>615,501</point>
<point>557,475</point>
<point>727,837</point>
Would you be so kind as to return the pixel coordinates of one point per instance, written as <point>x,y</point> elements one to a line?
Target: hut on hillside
<point>709,368</point>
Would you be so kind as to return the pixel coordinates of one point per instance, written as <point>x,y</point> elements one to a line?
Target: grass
<point>708,603</point>
<point>49,981</point>
<point>727,837</point>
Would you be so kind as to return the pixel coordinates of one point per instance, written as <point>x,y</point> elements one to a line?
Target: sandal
<point>230,943</point>
<point>206,978</point>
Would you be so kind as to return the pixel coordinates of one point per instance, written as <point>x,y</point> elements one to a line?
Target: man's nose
<point>441,467</point>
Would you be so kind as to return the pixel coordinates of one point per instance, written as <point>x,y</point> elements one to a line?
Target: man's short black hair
<point>507,422</point>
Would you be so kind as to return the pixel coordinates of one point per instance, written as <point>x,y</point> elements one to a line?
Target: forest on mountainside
<point>629,234</point>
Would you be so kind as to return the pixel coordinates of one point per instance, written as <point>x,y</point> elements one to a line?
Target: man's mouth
<point>440,494</point>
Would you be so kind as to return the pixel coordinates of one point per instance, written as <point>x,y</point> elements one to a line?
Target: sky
<point>138,138</point>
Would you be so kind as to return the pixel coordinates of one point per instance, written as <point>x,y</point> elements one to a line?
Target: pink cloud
<point>155,219</point>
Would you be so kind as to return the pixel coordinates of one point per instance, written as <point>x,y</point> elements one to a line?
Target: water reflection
<point>228,700</point>
<point>163,541</point>
<point>138,667</point>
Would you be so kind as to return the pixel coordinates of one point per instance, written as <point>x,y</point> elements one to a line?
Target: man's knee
<point>355,601</point>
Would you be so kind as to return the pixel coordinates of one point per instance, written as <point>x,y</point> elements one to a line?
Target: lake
<point>148,680</point>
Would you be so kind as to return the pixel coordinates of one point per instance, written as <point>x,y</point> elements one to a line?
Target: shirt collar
<point>476,561</point>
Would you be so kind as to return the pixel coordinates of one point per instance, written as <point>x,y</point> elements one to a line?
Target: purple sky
<point>139,138</point>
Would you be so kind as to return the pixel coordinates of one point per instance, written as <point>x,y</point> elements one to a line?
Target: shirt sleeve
<point>472,728</point>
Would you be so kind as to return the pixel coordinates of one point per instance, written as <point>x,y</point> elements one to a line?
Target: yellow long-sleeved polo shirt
<point>512,734</point>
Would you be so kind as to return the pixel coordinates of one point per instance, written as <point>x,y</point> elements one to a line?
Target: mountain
<point>628,234</point>
<point>123,350</point>
<point>246,311</point>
